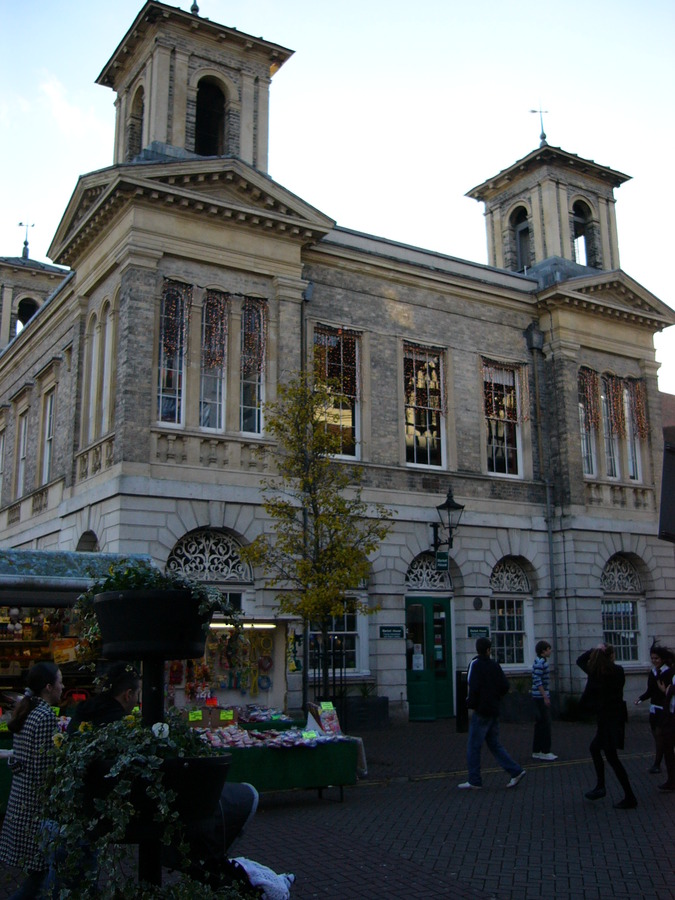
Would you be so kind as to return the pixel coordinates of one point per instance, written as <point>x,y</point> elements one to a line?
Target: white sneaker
<point>516,779</point>
<point>547,756</point>
<point>467,786</point>
<point>537,756</point>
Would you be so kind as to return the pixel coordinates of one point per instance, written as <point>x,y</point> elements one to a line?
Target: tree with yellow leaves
<point>322,533</point>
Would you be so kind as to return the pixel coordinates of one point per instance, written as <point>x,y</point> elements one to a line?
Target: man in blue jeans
<point>487,685</point>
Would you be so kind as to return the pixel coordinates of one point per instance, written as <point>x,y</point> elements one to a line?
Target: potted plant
<point>138,612</point>
<point>365,710</point>
<point>108,784</point>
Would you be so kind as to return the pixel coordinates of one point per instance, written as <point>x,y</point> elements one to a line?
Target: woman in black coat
<point>604,696</point>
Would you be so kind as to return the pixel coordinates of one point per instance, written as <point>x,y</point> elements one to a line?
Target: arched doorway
<point>429,665</point>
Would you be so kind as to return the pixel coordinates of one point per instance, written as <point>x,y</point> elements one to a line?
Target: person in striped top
<point>541,744</point>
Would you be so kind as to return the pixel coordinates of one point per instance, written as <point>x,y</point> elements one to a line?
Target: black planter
<point>362,713</point>
<point>198,783</point>
<point>152,624</point>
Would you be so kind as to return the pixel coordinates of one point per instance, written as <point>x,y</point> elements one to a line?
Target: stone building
<point>132,404</point>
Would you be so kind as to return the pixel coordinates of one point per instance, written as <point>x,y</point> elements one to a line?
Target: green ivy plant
<point>88,829</point>
<point>129,575</point>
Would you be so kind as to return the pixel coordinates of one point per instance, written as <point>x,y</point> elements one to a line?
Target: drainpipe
<point>535,344</point>
<point>306,297</point>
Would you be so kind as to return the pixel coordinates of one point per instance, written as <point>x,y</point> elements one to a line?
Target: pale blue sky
<point>386,115</point>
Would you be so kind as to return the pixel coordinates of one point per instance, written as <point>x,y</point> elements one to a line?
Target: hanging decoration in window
<point>613,387</point>
<point>501,396</point>
<point>509,578</point>
<point>423,378</point>
<point>620,577</point>
<point>638,406</point>
<point>254,336</point>
<point>214,336</point>
<point>335,357</point>
<point>588,396</point>
<point>176,303</point>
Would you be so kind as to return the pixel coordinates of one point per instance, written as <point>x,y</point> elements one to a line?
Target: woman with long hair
<point>33,725</point>
<point>604,696</point>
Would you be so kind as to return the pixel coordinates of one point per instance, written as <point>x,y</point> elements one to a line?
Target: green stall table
<point>285,768</point>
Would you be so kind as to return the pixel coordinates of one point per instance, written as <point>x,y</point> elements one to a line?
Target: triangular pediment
<point>215,188</point>
<point>613,295</point>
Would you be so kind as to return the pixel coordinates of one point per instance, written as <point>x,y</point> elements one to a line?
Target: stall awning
<point>53,577</point>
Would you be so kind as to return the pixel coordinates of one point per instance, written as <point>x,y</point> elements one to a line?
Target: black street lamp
<point>449,513</point>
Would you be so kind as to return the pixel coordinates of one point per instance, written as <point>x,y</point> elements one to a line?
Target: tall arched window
<point>106,370</point>
<point>210,127</point>
<point>589,418</point>
<point>25,311</point>
<point>90,382</point>
<point>135,126</point>
<point>613,421</point>
<point>88,543</point>
<point>510,586</point>
<point>252,369</point>
<point>582,230</point>
<point>173,339</point>
<point>213,382</point>
<point>622,590</point>
<point>520,229</point>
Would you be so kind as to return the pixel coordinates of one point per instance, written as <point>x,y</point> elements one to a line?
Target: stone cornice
<point>546,155</point>
<point>613,297</point>
<point>154,14</point>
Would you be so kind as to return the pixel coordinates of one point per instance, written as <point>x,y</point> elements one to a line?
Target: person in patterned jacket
<point>33,725</point>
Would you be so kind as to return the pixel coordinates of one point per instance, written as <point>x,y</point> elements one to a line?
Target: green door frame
<point>429,664</point>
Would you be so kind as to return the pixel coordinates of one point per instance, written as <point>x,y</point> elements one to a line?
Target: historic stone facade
<point>132,406</point>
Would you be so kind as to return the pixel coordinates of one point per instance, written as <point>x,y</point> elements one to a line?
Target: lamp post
<point>449,514</point>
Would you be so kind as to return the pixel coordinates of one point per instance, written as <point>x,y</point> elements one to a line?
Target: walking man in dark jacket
<point>487,686</point>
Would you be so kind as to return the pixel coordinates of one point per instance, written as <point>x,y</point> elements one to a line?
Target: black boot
<point>596,793</point>
<point>626,803</point>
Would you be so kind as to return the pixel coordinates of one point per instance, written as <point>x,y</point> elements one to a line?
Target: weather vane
<point>541,112</point>
<point>25,243</point>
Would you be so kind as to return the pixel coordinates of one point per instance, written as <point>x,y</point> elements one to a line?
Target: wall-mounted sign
<point>392,632</point>
<point>442,560</point>
<point>476,631</point>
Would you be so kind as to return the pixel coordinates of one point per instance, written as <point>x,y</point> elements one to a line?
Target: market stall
<point>279,759</point>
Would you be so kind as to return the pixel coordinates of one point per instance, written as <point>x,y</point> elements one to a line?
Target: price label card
<point>327,705</point>
<point>227,715</point>
<point>309,735</point>
<point>3,726</point>
<point>195,715</point>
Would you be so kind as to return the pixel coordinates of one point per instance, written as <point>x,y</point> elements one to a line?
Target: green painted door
<point>429,670</point>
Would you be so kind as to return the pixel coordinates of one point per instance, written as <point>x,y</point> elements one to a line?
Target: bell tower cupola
<point>551,204</point>
<point>189,87</point>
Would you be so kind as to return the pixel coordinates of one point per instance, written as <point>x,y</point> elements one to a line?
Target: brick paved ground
<point>405,831</point>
